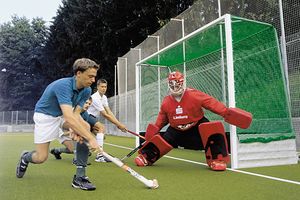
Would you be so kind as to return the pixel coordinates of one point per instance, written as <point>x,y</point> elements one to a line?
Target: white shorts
<point>47,128</point>
<point>63,138</point>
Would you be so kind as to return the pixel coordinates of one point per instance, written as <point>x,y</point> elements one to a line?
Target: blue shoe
<point>82,183</point>
<point>56,154</point>
<point>22,165</point>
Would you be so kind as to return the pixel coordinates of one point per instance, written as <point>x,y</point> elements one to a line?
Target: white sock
<point>100,138</point>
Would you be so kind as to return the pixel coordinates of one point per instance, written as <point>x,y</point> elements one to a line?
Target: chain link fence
<point>16,121</point>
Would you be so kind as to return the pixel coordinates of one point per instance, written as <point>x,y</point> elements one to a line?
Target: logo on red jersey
<point>180,117</point>
<point>179,110</point>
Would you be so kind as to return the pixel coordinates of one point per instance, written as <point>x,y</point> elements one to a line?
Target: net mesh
<point>258,77</point>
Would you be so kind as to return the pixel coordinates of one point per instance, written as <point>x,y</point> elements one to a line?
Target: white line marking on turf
<point>239,171</point>
<point>122,147</point>
<point>234,170</point>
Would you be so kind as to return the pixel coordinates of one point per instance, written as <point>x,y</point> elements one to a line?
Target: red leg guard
<point>151,130</point>
<point>215,144</point>
<point>152,150</point>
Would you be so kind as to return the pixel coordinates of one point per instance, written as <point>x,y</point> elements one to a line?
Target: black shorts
<point>92,120</point>
<point>189,139</point>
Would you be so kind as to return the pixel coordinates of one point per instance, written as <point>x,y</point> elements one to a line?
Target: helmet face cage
<point>176,83</point>
<point>175,86</point>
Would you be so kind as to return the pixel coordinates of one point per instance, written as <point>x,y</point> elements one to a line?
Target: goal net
<point>233,59</point>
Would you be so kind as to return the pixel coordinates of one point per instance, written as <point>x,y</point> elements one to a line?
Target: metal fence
<point>16,121</point>
<point>16,117</point>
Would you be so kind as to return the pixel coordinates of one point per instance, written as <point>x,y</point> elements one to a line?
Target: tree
<point>260,10</point>
<point>105,30</point>
<point>21,43</point>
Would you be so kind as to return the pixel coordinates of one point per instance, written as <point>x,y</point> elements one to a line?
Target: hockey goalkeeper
<point>189,128</point>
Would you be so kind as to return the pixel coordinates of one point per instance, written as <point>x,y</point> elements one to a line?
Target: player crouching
<point>189,128</point>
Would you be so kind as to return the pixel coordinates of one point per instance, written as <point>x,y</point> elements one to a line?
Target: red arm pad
<point>238,117</point>
<point>151,130</point>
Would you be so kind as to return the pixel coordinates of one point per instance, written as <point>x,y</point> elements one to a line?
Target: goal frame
<point>227,20</point>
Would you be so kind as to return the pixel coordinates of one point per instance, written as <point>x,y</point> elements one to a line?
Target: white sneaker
<point>101,158</point>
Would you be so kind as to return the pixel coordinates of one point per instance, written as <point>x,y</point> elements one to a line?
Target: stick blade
<point>155,184</point>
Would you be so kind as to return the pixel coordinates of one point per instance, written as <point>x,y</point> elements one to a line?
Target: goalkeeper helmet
<point>176,80</point>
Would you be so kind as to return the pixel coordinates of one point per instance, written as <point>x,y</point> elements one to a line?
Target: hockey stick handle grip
<point>138,135</point>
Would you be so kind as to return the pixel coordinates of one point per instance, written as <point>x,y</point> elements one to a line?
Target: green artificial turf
<point>177,179</point>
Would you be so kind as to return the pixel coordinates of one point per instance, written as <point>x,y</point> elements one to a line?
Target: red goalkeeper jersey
<point>188,111</point>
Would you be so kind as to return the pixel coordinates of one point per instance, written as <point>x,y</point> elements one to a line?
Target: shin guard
<point>151,130</point>
<point>154,149</point>
<point>214,141</point>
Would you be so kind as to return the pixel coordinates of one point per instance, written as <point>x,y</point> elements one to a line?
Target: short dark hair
<point>101,81</point>
<point>83,64</point>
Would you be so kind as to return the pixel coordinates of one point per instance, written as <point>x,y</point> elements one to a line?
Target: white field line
<point>234,170</point>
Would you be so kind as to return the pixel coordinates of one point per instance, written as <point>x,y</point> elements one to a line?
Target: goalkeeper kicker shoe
<point>141,161</point>
<point>22,165</point>
<point>82,183</point>
<point>218,165</point>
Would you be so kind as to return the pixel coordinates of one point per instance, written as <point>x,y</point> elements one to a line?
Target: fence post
<point>17,117</point>
<point>12,118</point>
<point>3,117</point>
<point>26,117</point>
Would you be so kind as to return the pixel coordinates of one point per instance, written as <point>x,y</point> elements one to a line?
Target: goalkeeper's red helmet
<point>177,76</point>
<point>176,80</point>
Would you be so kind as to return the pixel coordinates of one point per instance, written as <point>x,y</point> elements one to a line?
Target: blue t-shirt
<point>61,91</point>
<point>88,118</point>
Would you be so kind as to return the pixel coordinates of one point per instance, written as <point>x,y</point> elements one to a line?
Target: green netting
<point>206,42</point>
<point>149,95</point>
<point>258,76</point>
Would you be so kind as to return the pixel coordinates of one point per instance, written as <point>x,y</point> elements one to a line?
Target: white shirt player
<point>98,104</point>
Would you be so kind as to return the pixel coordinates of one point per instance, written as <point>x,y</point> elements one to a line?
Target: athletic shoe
<point>74,162</point>
<point>22,165</point>
<point>218,165</point>
<point>56,154</point>
<point>141,161</point>
<point>82,183</point>
<point>101,158</point>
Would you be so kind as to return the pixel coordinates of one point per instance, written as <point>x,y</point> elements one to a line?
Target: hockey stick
<point>153,184</point>
<point>138,135</point>
<point>136,148</point>
<point>132,152</point>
